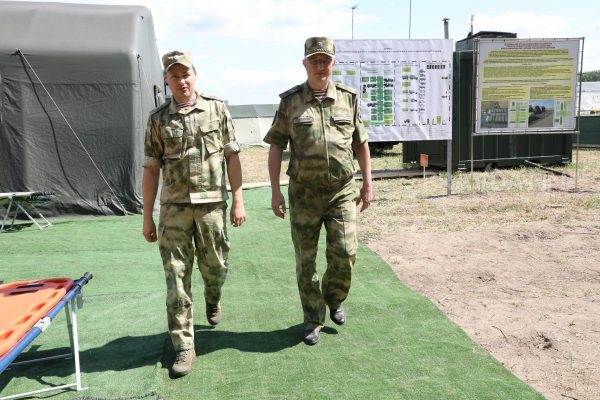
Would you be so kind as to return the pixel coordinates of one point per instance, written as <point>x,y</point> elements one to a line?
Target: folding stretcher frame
<point>18,201</point>
<point>69,301</point>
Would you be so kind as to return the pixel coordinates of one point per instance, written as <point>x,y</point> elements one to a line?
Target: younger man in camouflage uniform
<point>321,121</point>
<point>191,138</point>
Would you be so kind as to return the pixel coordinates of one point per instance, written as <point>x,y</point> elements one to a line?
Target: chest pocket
<point>172,137</point>
<point>341,119</point>
<point>303,120</point>
<point>303,127</point>
<point>211,137</point>
<point>343,124</point>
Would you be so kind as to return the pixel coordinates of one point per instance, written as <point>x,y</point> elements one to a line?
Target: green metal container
<point>488,150</point>
<point>589,130</point>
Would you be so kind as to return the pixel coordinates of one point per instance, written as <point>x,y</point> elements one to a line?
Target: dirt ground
<point>526,292</point>
<point>512,257</point>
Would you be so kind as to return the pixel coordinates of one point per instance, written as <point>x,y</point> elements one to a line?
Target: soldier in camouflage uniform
<point>191,138</point>
<point>321,122</point>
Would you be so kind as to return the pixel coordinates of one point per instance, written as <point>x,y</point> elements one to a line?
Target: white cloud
<point>526,24</point>
<point>244,46</point>
<point>264,20</point>
<point>258,77</point>
<point>249,83</point>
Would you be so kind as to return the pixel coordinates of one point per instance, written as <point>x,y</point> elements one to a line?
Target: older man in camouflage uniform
<point>191,138</point>
<point>321,122</point>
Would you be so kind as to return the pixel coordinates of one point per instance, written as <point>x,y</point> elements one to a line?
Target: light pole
<point>354,7</point>
<point>409,16</point>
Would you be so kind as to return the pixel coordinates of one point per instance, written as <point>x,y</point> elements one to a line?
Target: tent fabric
<point>590,98</point>
<point>252,122</point>
<point>100,66</point>
<point>253,110</point>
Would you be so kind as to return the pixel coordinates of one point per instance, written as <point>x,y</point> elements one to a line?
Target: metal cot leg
<point>10,203</point>
<point>72,324</point>
<point>74,340</point>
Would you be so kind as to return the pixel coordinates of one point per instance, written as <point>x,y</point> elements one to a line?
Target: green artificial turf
<point>395,345</point>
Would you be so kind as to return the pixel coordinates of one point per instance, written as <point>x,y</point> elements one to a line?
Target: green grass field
<point>395,345</point>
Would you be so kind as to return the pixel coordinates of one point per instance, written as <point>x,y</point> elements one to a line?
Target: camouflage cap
<point>315,45</point>
<point>177,57</point>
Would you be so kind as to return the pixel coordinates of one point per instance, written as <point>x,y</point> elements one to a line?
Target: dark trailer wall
<point>589,128</point>
<point>488,150</point>
<point>101,67</point>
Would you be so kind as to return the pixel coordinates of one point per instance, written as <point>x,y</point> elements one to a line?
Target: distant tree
<point>590,76</point>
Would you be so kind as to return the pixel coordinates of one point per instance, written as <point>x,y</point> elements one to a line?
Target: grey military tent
<point>77,82</point>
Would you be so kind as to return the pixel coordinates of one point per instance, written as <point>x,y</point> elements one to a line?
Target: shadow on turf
<point>17,227</point>
<point>209,339</point>
<point>132,352</point>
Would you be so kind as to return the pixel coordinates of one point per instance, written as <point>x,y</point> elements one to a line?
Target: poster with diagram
<point>404,86</point>
<point>526,85</point>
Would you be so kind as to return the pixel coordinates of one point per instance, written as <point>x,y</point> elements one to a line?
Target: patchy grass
<point>500,196</point>
<point>254,162</point>
<point>592,203</point>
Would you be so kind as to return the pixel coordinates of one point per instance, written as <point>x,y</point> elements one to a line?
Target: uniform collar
<point>199,104</point>
<point>308,95</point>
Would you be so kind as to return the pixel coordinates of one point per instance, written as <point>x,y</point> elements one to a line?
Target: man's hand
<point>278,204</point>
<point>237,214</point>
<point>149,230</point>
<point>366,196</point>
<point>150,177</point>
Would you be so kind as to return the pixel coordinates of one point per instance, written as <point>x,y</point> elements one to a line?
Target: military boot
<point>337,315</point>
<point>213,313</point>
<point>312,336</point>
<point>183,362</point>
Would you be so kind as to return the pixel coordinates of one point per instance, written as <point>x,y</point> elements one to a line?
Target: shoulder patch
<point>290,91</point>
<point>162,106</point>
<point>345,87</point>
<point>210,97</point>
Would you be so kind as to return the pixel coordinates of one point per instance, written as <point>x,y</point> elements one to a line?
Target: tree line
<point>590,76</point>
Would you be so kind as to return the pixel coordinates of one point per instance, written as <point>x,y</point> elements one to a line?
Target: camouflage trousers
<point>310,209</point>
<point>182,228</point>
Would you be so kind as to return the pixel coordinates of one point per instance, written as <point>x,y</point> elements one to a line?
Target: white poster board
<point>526,85</point>
<point>404,86</point>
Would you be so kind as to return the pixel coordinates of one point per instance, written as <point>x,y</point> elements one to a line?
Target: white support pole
<point>449,141</point>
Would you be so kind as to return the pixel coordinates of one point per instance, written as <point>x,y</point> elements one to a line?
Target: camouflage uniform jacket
<point>190,146</point>
<point>321,135</point>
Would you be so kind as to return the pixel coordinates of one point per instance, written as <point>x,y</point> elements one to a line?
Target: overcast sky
<point>249,51</point>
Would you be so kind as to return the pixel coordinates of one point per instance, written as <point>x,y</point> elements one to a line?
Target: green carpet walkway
<point>395,345</point>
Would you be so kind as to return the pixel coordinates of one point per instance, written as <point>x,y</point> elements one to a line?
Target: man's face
<point>318,68</point>
<point>182,81</point>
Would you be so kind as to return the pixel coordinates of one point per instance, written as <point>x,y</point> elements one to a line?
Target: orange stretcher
<point>27,310</point>
<point>24,304</point>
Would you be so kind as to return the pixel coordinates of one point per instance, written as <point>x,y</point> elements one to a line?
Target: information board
<point>526,85</point>
<point>404,86</point>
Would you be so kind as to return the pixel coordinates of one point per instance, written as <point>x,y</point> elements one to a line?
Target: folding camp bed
<point>16,202</point>
<point>28,308</point>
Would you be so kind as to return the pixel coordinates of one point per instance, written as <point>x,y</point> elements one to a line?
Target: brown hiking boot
<point>213,313</point>
<point>183,362</point>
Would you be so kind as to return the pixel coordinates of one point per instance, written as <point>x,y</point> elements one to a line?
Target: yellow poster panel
<point>491,93</point>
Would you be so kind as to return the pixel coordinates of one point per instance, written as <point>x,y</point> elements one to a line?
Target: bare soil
<point>512,257</point>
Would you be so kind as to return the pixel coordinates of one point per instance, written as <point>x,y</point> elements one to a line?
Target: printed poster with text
<point>526,85</point>
<point>404,86</point>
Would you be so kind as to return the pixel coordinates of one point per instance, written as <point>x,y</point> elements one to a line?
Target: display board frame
<point>526,86</point>
<point>404,86</point>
